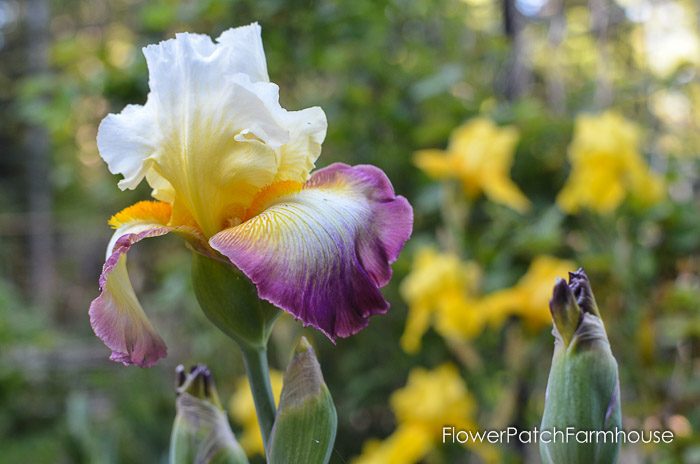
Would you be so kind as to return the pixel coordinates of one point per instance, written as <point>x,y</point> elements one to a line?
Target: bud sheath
<point>231,302</point>
<point>583,389</point>
<point>306,422</point>
<point>201,433</point>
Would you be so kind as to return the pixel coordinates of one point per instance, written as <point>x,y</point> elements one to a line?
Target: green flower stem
<point>259,378</point>
<point>455,210</point>
<point>231,302</point>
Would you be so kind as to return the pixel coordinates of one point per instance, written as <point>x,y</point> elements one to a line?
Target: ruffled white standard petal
<point>247,53</point>
<point>212,133</point>
<point>125,141</point>
<point>307,130</point>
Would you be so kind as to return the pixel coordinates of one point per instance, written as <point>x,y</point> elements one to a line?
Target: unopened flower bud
<point>566,313</point>
<point>306,422</point>
<point>583,390</point>
<point>201,432</point>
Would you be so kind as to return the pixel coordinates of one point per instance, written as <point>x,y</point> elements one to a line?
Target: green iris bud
<point>583,390</point>
<point>306,422</point>
<point>201,432</point>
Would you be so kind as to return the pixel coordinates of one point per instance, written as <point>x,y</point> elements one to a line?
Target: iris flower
<point>230,170</point>
<point>442,291</point>
<point>479,156</point>
<point>529,297</point>
<point>607,167</point>
<point>428,401</point>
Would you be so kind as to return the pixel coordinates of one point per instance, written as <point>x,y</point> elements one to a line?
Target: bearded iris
<point>230,172</point>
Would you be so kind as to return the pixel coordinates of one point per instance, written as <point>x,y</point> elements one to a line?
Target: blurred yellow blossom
<point>430,400</point>
<point>440,291</point>
<point>242,410</point>
<point>479,155</point>
<point>607,166</point>
<point>409,443</point>
<point>433,399</point>
<point>529,298</point>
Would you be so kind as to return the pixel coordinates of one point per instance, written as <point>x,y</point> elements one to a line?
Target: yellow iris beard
<point>268,195</point>
<point>155,211</point>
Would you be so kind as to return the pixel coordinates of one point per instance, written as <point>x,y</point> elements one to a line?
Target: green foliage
<point>393,76</point>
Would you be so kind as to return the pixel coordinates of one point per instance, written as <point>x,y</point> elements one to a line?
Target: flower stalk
<point>258,372</point>
<point>229,300</point>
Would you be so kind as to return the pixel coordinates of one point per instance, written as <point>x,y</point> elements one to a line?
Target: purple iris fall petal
<point>116,315</point>
<point>323,253</point>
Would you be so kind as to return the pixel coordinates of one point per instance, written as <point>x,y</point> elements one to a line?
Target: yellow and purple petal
<point>116,315</point>
<point>322,253</point>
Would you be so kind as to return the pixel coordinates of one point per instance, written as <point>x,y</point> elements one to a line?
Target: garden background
<point>584,121</point>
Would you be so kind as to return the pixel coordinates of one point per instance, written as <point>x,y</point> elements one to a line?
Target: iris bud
<point>201,432</point>
<point>583,390</point>
<point>306,422</point>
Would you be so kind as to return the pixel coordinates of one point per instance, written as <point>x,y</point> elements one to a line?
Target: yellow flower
<point>479,155</point>
<point>439,291</point>
<point>607,167</point>
<point>529,298</point>
<point>409,443</point>
<point>242,410</point>
<point>433,399</point>
<point>429,401</point>
<point>459,316</point>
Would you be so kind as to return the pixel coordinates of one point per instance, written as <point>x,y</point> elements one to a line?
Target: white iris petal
<point>212,133</point>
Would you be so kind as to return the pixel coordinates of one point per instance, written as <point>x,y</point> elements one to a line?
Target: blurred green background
<point>393,77</point>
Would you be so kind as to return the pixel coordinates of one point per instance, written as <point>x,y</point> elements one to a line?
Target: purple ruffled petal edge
<point>116,315</point>
<point>322,254</point>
